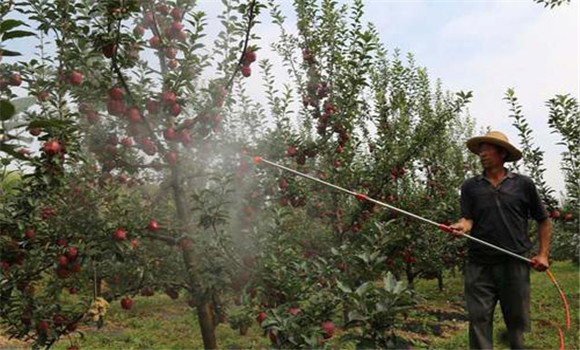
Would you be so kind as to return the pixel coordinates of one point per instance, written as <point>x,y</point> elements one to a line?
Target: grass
<point>437,323</point>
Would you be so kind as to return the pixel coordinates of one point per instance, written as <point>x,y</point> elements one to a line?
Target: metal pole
<point>360,196</point>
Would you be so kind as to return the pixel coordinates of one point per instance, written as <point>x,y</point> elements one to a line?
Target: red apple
<point>109,50</point>
<point>116,93</point>
<point>34,131</point>
<point>170,134</point>
<point>163,9</point>
<point>43,95</point>
<point>126,303</point>
<point>120,234</point>
<point>175,109</point>
<point>116,107</point>
<point>328,329</point>
<point>62,261</point>
<point>76,268</point>
<point>568,217</point>
<point>139,31</point>
<point>176,14</point>
<point>555,214</point>
<point>261,317</point>
<point>283,184</point>
<point>52,147</point>
<point>76,78</point>
<point>42,327</point>
<point>15,79</point>
<point>153,226</point>
<point>30,234</point>
<point>128,142</point>
<point>246,71</point>
<point>154,41</point>
<point>72,253</point>
<point>134,115</point>
<point>134,243</point>
<point>73,290</point>
<point>180,35</point>
<point>168,98</point>
<point>250,56</point>
<point>176,26</point>
<point>291,151</point>
<point>294,311</point>
<point>171,52</point>
<point>58,319</point>
<point>172,63</point>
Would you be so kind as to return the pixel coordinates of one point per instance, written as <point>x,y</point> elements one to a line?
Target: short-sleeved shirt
<point>500,215</point>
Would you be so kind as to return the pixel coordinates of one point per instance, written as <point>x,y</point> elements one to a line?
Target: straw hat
<point>498,139</point>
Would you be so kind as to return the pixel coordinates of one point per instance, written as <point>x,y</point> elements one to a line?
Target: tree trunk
<point>440,280</point>
<point>410,277</point>
<point>206,324</point>
<point>204,312</point>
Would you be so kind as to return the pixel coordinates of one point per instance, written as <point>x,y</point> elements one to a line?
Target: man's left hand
<point>540,262</point>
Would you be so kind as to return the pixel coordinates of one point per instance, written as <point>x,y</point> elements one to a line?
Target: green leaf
<point>10,149</point>
<point>8,24</point>
<point>364,288</point>
<point>355,316</point>
<point>343,287</point>
<point>43,123</point>
<point>16,34</point>
<point>7,53</point>
<point>7,110</point>
<point>390,282</point>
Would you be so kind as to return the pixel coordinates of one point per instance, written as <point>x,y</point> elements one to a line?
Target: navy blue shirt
<point>500,215</point>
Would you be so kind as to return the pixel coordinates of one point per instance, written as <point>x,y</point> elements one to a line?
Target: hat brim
<point>514,154</point>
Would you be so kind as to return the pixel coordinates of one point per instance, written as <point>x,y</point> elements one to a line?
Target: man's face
<point>491,156</point>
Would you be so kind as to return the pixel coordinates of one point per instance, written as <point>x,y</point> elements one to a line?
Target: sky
<point>488,47</point>
<point>483,46</point>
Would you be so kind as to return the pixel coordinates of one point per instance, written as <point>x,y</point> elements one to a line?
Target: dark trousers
<point>485,285</point>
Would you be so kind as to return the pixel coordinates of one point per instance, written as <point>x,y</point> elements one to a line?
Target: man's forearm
<point>544,235</point>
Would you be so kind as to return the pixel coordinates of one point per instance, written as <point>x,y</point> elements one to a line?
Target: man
<point>496,207</point>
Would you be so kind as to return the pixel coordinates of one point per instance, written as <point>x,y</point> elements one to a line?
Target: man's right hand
<point>462,227</point>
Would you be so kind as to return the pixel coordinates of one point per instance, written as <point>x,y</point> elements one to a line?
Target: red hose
<point>562,296</point>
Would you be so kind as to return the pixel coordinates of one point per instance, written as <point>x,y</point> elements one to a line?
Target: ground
<point>438,322</point>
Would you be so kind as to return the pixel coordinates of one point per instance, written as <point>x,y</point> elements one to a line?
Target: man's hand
<point>463,226</point>
<point>540,262</point>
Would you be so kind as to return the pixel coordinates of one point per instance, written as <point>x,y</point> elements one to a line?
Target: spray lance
<point>362,197</point>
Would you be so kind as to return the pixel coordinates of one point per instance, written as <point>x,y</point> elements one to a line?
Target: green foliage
<point>376,310</point>
<point>533,157</point>
<point>563,119</point>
